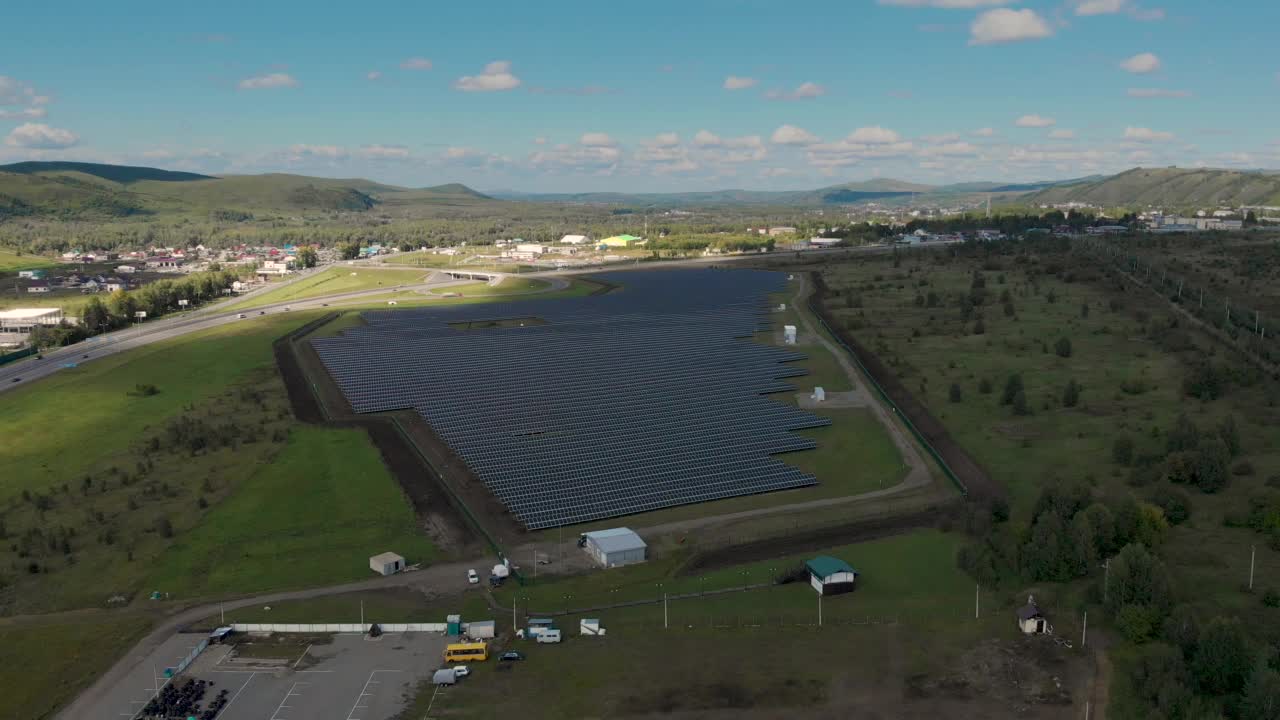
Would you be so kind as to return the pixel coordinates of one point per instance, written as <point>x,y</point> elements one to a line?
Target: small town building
<point>614,547</point>
<point>782,230</point>
<point>831,576</point>
<point>22,320</point>
<point>126,269</point>
<point>481,629</point>
<point>31,274</point>
<point>1030,620</point>
<point>825,242</point>
<point>531,248</point>
<point>574,239</point>
<point>38,287</point>
<point>590,626</point>
<point>620,241</point>
<point>387,563</point>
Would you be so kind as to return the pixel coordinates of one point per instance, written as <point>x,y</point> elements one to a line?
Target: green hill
<point>1169,187</point>
<point>273,192</point>
<point>456,189</point>
<point>123,174</point>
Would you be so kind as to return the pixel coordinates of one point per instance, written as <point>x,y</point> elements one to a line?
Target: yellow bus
<point>465,652</point>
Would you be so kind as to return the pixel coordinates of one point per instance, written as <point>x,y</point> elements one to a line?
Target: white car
<point>461,671</point>
<point>473,577</point>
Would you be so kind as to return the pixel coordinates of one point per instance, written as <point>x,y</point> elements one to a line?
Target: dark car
<point>17,379</point>
<point>511,656</point>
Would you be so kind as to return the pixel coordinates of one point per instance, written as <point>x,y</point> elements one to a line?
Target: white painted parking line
<point>233,697</point>
<point>275,715</point>
<point>304,654</point>
<point>364,692</point>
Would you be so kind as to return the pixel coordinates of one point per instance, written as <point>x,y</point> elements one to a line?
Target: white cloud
<point>775,172</point>
<point>949,4</point>
<point>472,158</point>
<point>1146,135</point>
<point>266,82</point>
<point>706,138</point>
<point>597,139</point>
<point>20,101</point>
<point>949,149</point>
<point>792,135</point>
<point>301,152</point>
<point>384,152</point>
<point>1035,121</point>
<point>1062,134</point>
<point>1004,26</point>
<point>663,155</point>
<point>984,132</point>
<point>667,139</point>
<point>1142,63</point>
<point>942,138</point>
<point>804,91</point>
<point>1112,7</point>
<point>1158,93</point>
<point>40,136</point>
<point>874,135</point>
<point>733,82</point>
<point>373,75</point>
<point>416,63</point>
<point>496,77</point>
<point>1100,7</point>
<point>540,140</point>
<point>598,160</point>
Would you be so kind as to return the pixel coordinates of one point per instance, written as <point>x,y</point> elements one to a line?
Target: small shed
<point>589,626</point>
<point>445,676</point>
<point>831,576</point>
<point>614,547</point>
<point>1030,620</point>
<point>481,629</point>
<point>789,334</point>
<point>819,395</point>
<point>387,563</point>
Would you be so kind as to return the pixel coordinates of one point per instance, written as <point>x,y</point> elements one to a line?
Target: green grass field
<point>337,279</point>
<point>343,507</point>
<point>44,664</point>
<point>12,262</point>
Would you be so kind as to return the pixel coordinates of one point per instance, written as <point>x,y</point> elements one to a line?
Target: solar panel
<point>648,397</point>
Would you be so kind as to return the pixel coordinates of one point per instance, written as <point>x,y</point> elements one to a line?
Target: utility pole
<point>222,610</point>
<point>514,625</point>
<point>1106,578</point>
<point>362,614</point>
<point>975,601</point>
<point>664,610</point>
<point>1253,554</point>
<point>1085,629</point>
<point>819,609</point>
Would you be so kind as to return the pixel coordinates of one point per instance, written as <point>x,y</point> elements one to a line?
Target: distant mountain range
<point>879,189</point>
<point>90,190</point>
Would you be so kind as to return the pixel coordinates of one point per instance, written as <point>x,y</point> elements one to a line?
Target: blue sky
<point>654,96</point>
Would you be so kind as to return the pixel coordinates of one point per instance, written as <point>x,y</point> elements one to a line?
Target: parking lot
<point>343,677</point>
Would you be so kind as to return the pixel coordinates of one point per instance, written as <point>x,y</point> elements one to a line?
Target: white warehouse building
<point>22,320</point>
<point>614,547</point>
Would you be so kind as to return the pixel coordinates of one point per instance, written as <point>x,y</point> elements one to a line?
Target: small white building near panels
<point>387,563</point>
<point>615,547</point>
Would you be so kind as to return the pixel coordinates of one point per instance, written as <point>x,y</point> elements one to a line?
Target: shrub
<point>1244,467</point>
<point>1062,347</point>
<point>1019,403</point>
<point>1071,394</point>
<point>954,394</point>
<point>1271,599</point>
<point>1175,504</point>
<point>979,327</point>
<point>1012,387</point>
<point>984,387</point>
<point>1122,450</point>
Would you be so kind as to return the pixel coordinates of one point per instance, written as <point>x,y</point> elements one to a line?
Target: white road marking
<point>242,687</point>
<point>364,692</point>
<point>287,695</point>
<point>304,654</point>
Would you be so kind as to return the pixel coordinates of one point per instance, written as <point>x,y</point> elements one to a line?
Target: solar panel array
<point>648,397</point>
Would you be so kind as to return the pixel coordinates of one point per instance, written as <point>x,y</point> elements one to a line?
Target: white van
<point>550,635</point>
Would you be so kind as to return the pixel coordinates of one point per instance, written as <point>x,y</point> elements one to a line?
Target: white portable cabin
<point>482,629</point>
<point>388,563</point>
<point>819,394</point>
<point>831,576</point>
<point>1030,620</point>
<point>590,626</point>
<point>615,547</point>
<point>789,334</point>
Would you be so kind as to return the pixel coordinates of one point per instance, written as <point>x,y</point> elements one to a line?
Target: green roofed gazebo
<point>831,576</point>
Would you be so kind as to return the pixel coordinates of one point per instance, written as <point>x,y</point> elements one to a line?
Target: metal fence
<point>325,628</point>
<point>17,355</point>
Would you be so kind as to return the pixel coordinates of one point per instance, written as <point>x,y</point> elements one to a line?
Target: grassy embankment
<point>337,279</point>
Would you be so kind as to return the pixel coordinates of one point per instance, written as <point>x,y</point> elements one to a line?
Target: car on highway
<point>241,316</point>
<point>472,576</point>
<point>512,656</point>
<point>286,308</point>
<point>17,379</point>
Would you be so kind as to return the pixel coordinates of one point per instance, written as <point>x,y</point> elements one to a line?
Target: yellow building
<point>620,241</point>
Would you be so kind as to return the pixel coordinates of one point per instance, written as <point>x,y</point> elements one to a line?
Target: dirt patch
<point>809,540</point>
<point>438,516</point>
<point>979,484</point>
<point>726,694</point>
<point>1020,675</point>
